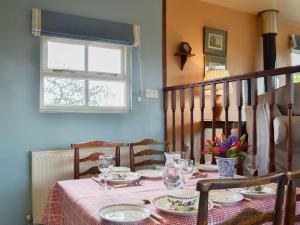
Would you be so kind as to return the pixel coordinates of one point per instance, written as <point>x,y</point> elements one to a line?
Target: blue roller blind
<point>48,23</point>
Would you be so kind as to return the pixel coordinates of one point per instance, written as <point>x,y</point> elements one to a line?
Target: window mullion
<point>87,93</point>
<point>86,51</point>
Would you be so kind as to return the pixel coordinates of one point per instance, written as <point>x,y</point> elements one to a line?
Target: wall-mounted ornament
<point>215,41</point>
<point>184,51</point>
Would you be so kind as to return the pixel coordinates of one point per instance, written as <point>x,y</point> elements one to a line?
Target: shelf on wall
<point>183,58</point>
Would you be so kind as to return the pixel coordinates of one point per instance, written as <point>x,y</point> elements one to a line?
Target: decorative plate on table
<point>150,173</point>
<point>120,169</point>
<point>122,178</point>
<point>163,204</point>
<point>225,197</point>
<point>124,213</point>
<point>266,191</point>
<point>207,167</point>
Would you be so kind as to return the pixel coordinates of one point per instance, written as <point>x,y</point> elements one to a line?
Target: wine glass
<point>105,164</point>
<point>252,163</point>
<point>187,168</point>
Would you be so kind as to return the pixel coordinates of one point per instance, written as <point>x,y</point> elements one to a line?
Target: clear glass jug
<point>172,174</point>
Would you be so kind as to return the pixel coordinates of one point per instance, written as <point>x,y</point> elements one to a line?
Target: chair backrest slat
<point>146,152</point>
<point>93,156</point>
<point>92,170</point>
<point>149,162</point>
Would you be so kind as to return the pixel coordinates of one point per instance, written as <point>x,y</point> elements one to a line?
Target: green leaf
<point>242,139</point>
<point>243,154</point>
<point>231,153</point>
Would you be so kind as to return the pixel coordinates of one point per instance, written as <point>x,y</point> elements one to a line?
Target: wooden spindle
<point>192,100</point>
<point>202,106</point>
<point>290,102</point>
<point>271,102</point>
<point>166,115</point>
<point>226,106</point>
<point>254,107</point>
<point>239,103</point>
<point>213,108</point>
<point>182,107</point>
<point>173,119</point>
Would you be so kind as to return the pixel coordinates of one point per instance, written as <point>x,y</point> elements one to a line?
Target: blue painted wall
<point>24,128</point>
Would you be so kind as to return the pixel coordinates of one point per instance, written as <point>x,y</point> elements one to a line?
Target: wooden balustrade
<point>290,102</point>
<point>271,102</point>
<point>251,80</point>
<point>192,98</point>
<point>173,119</point>
<point>202,107</point>
<point>182,107</point>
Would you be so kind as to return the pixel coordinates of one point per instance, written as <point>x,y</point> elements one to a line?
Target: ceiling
<point>289,9</point>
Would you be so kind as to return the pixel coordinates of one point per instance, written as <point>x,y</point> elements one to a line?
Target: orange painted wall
<point>185,22</point>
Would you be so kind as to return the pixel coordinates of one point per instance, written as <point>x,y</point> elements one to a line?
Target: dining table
<point>77,202</point>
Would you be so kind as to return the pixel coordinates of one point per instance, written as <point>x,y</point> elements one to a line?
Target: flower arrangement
<point>230,147</point>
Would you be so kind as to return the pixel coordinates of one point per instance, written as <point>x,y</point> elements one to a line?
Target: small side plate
<point>225,197</point>
<point>124,213</point>
<point>149,173</point>
<point>207,167</point>
<point>122,178</point>
<point>118,169</point>
<point>266,192</point>
<point>164,205</point>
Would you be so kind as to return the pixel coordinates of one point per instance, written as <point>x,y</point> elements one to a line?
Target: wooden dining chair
<point>93,156</point>
<point>146,152</point>
<point>249,216</point>
<point>290,216</point>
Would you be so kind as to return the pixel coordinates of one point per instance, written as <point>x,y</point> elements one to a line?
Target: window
<point>81,76</point>
<point>295,62</point>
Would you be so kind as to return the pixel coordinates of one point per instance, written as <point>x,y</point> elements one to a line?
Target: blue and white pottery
<point>226,167</point>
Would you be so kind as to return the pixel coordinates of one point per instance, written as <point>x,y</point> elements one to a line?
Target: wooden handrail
<point>245,76</point>
<point>251,100</point>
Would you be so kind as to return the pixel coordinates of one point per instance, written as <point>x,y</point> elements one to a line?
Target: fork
<point>136,183</point>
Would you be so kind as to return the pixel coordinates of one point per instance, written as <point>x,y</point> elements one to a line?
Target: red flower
<point>236,145</point>
<point>223,149</point>
<point>216,150</point>
<point>210,142</point>
<point>217,140</point>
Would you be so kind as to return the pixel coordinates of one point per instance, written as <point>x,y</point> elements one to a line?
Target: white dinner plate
<point>266,192</point>
<point>120,169</point>
<point>207,167</point>
<point>225,197</point>
<point>150,173</point>
<point>164,205</point>
<point>123,177</point>
<point>124,213</point>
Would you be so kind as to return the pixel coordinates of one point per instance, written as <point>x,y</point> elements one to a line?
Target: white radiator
<point>48,167</point>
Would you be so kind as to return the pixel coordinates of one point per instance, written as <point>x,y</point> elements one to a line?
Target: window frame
<point>85,75</point>
<point>296,76</point>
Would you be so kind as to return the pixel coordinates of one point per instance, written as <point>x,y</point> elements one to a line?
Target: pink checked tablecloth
<point>76,202</point>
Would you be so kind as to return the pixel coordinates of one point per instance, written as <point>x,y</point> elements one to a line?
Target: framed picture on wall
<point>215,41</point>
<point>214,63</point>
